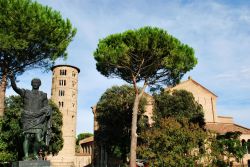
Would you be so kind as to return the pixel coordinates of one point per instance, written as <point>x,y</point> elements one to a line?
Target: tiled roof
<point>222,128</point>
<point>87,140</point>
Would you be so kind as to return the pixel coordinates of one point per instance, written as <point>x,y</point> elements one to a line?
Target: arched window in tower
<point>73,74</point>
<point>63,72</point>
<point>61,92</point>
<point>62,82</point>
<point>60,104</point>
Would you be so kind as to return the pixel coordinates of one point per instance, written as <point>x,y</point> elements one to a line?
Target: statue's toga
<point>35,118</point>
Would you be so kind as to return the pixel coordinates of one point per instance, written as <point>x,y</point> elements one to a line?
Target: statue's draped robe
<point>36,112</point>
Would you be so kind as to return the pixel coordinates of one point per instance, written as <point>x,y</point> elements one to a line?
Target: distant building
<point>87,149</point>
<point>87,145</point>
<point>214,123</point>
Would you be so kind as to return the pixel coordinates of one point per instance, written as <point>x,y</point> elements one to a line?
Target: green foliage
<point>147,53</point>
<point>11,137</point>
<point>56,142</point>
<point>114,114</point>
<point>31,35</point>
<point>228,145</point>
<point>177,135</point>
<point>82,136</point>
<point>172,143</point>
<point>178,104</point>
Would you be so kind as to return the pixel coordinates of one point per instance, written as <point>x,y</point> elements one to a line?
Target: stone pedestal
<point>33,163</point>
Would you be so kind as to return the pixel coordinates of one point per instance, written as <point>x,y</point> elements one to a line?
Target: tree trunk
<point>133,144</point>
<point>3,85</point>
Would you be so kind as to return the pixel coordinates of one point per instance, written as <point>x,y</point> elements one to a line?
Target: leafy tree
<point>31,36</point>
<point>10,143</point>
<point>228,146</point>
<point>178,104</point>
<point>11,133</point>
<point>172,143</point>
<point>177,136</point>
<point>148,55</point>
<point>114,114</point>
<point>56,142</point>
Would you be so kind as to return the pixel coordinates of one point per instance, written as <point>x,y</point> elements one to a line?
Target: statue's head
<point>36,83</point>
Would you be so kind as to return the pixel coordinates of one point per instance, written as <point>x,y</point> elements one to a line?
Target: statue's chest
<point>33,100</point>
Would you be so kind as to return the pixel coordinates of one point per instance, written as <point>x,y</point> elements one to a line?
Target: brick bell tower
<point>64,93</point>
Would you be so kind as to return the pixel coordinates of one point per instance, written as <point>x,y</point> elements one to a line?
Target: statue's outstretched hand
<point>13,84</point>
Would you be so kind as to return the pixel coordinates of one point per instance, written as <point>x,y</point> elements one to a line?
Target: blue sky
<point>219,31</point>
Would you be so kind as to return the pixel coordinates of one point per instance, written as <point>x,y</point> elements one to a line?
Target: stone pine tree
<point>31,36</point>
<point>147,55</point>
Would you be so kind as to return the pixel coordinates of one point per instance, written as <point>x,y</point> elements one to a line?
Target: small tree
<point>10,141</point>
<point>148,55</point>
<point>178,104</point>
<point>114,114</point>
<point>31,36</point>
<point>56,142</point>
<point>177,135</point>
<point>172,143</point>
<point>11,133</point>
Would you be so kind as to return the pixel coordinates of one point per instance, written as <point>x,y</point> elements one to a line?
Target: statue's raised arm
<point>15,88</point>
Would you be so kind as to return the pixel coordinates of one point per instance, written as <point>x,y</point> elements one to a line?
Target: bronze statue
<point>35,118</point>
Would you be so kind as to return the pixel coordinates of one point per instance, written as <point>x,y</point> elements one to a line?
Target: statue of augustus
<point>35,118</point>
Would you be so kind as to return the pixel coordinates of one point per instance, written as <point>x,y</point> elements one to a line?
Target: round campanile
<point>64,93</point>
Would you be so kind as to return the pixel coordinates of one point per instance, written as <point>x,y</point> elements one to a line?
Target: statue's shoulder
<point>26,91</point>
<point>43,94</point>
